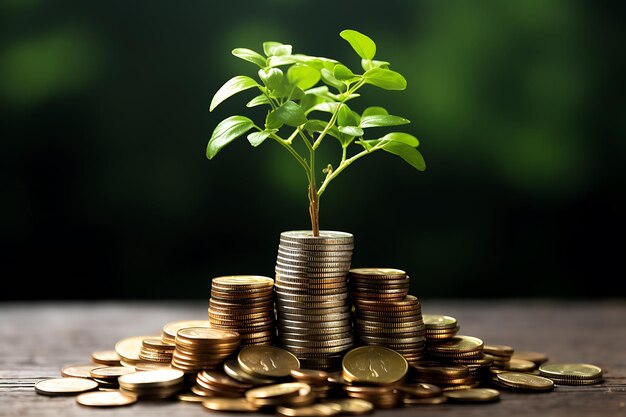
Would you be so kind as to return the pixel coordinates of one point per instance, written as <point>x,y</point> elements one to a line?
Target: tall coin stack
<point>312,303</point>
<point>243,304</point>
<point>385,315</point>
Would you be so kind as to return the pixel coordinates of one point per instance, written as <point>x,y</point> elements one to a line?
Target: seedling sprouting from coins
<point>289,87</point>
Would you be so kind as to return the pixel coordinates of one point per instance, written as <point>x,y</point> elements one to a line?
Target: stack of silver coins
<point>312,304</point>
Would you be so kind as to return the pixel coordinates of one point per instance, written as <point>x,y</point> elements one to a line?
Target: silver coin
<point>315,247</point>
<point>324,235</point>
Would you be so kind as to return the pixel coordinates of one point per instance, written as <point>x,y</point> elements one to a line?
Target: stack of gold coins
<point>171,329</point>
<point>218,384</point>
<point>373,372</point>
<point>446,376</point>
<point>572,373</point>
<point>199,348</point>
<point>499,354</point>
<point>106,376</point>
<point>154,350</point>
<point>318,380</point>
<point>396,324</point>
<point>479,366</point>
<point>152,384</point>
<point>457,347</point>
<point>312,296</point>
<point>380,284</point>
<point>439,327</point>
<point>243,304</point>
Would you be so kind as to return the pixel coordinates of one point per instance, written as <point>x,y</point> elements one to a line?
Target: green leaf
<point>225,132</point>
<point>231,87</point>
<point>368,64</point>
<point>290,114</point>
<point>403,138</point>
<point>382,120</point>
<point>271,77</point>
<point>272,122</point>
<point>406,152</point>
<point>351,130</point>
<point>329,78</point>
<point>315,125</point>
<point>347,117</point>
<point>329,107</point>
<point>374,110</point>
<point>250,56</point>
<point>343,73</point>
<point>384,78</point>
<point>258,101</point>
<point>362,44</point>
<point>257,138</point>
<point>276,49</point>
<point>303,76</point>
<point>287,90</point>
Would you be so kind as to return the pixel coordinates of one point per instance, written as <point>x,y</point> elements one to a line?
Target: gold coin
<point>287,389</point>
<point>152,379</point>
<point>352,406</point>
<point>473,395</point>
<point>78,371</point>
<point>438,321</point>
<point>421,390</point>
<point>243,280</point>
<point>498,350</point>
<point>229,404</point>
<point>232,369</point>
<point>520,365</point>
<point>410,401</point>
<point>157,343</point>
<point>190,397</point>
<point>525,381</point>
<point>267,361</point>
<point>536,357</point>
<point>110,372</point>
<point>374,365</point>
<point>378,272</point>
<point>105,399</point>
<point>207,334</point>
<point>309,375</point>
<point>458,344</point>
<point>574,371</point>
<point>150,366</point>
<point>170,329</point>
<point>128,349</point>
<point>315,410</point>
<point>106,357</point>
<point>65,386</point>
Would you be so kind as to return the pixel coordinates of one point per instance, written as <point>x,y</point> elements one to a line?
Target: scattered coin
<point>315,410</point>
<point>229,404</point>
<point>526,382</point>
<point>65,386</point>
<point>267,361</point>
<point>413,401</point>
<point>473,395</point>
<point>106,357</point>
<point>105,399</point>
<point>279,394</point>
<point>352,406</point>
<point>78,371</point>
<point>128,349</point>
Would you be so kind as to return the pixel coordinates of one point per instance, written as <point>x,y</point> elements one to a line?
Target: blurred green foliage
<point>104,121</point>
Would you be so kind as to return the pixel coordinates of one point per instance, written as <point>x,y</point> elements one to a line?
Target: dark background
<point>106,191</point>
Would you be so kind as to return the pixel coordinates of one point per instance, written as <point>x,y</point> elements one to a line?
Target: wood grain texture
<point>38,339</point>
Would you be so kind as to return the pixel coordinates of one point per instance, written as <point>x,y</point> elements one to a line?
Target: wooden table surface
<point>37,339</point>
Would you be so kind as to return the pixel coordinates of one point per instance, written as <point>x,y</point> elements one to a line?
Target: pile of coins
<point>243,304</point>
<point>384,315</point>
<point>200,348</point>
<point>152,384</point>
<point>312,304</point>
<point>439,327</point>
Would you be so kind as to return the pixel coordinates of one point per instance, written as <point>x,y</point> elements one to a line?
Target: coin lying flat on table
<point>352,406</point>
<point>229,404</point>
<point>315,410</point>
<point>105,399</point>
<point>526,382</point>
<point>473,395</point>
<point>65,386</point>
<point>79,371</point>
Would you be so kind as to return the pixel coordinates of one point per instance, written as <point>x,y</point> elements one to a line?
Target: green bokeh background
<point>107,192</point>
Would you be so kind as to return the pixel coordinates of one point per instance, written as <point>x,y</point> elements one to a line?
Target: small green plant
<point>288,86</point>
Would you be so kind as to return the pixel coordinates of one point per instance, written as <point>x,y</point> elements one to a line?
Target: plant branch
<point>342,166</point>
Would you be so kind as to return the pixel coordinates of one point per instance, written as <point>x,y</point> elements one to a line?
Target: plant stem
<point>314,207</point>
<point>343,165</point>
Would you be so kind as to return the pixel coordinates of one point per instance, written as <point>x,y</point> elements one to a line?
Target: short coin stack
<point>152,384</point>
<point>572,373</point>
<point>243,304</point>
<point>395,323</point>
<point>445,376</point>
<point>439,327</point>
<point>107,376</point>
<point>312,296</point>
<point>382,284</point>
<point>200,348</point>
<point>218,384</point>
<point>500,354</point>
<point>155,350</point>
